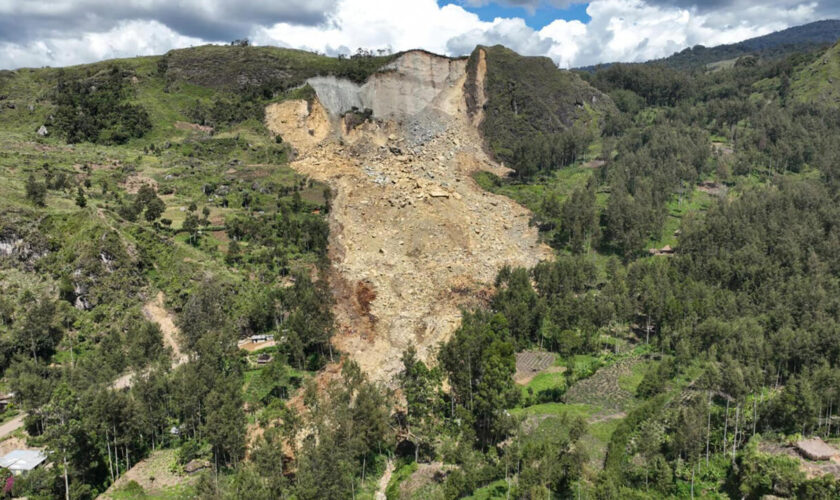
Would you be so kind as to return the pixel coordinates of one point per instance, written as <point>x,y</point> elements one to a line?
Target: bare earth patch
<point>155,311</point>
<point>811,468</point>
<point>407,220</point>
<point>195,127</point>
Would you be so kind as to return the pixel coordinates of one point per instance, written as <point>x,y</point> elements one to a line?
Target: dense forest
<point>690,315</point>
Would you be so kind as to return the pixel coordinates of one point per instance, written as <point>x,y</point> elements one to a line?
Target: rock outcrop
<point>400,90</point>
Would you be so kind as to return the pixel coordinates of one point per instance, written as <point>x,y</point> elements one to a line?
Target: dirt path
<point>598,418</point>
<point>11,426</point>
<point>412,237</point>
<point>154,311</point>
<point>384,480</point>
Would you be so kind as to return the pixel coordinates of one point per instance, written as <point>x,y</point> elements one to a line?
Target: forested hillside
<point>149,222</point>
<point>172,285</point>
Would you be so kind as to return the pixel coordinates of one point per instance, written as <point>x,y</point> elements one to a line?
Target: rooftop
<point>22,460</point>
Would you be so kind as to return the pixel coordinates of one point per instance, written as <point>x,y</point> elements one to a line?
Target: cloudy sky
<point>62,32</point>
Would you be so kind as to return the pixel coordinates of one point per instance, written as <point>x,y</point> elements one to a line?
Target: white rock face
<point>402,89</point>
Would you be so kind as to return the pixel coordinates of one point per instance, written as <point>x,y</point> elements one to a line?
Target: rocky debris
<point>413,227</point>
<point>42,131</point>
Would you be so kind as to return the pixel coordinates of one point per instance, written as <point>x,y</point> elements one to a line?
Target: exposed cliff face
<point>402,89</point>
<point>413,238</point>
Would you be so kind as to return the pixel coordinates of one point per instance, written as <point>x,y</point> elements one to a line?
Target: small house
<point>22,461</point>
<point>264,359</point>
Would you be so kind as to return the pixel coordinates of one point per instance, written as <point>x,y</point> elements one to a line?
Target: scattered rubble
<point>412,229</point>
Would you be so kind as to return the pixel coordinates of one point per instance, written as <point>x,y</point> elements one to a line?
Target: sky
<point>35,33</point>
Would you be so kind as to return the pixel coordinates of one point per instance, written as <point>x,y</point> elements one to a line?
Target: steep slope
<point>523,97</point>
<point>819,82</point>
<point>413,238</point>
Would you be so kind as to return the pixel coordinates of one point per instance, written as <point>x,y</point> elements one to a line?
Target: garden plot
<point>529,364</point>
<point>603,388</point>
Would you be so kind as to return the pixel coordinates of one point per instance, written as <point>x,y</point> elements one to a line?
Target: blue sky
<point>537,18</point>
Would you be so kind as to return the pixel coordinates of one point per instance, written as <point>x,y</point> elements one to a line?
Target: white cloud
<point>127,39</point>
<point>72,31</point>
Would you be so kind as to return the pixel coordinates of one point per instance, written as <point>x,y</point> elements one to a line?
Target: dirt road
<point>11,426</point>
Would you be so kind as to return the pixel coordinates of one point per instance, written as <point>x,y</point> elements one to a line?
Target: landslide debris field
<point>413,237</point>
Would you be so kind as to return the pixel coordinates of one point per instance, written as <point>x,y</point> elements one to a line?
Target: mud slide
<point>413,237</point>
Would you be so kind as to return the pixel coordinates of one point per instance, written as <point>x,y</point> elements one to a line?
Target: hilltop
<point>776,45</point>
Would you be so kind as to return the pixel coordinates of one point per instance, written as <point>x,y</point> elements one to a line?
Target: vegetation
<point>536,118</point>
<point>680,372</point>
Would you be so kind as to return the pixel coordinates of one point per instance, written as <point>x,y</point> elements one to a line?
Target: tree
<point>420,387</point>
<point>479,362</point>
<point>225,423</point>
<point>190,226</point>
<point>579,223</point>
<point>36,192</point>
<point>81,201</point>
<point>205,311</point>
<point>154,209</point>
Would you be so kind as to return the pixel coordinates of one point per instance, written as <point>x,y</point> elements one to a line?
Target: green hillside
<point>536,114</point>
<point>819,82</point>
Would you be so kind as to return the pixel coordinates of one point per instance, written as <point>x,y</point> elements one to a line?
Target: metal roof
<point>22,459</point>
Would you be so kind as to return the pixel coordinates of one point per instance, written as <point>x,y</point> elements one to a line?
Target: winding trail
<point>384,480</point>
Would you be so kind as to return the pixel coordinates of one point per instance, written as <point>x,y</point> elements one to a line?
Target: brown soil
<point>256,346</point>
<point>602,388</point>
<point>713,188</point>
<point>481,95</point>
<point>408,221</point>
<point>135,182</point>
<point>195,127</point>
<point>425,474</point>
<point>155,311</point>
<point>299,122</point>
<point>13,443</point>
<point>812,469</point>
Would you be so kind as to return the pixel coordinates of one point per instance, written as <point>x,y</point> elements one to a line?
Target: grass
<point>817,82</point>
<point>631,381</point>
<point>562,182</point>
<point>496,489</point>
<point>542,382</point>
<point>403,472</point>
<point>557,409</point>
<point>695,202</point>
